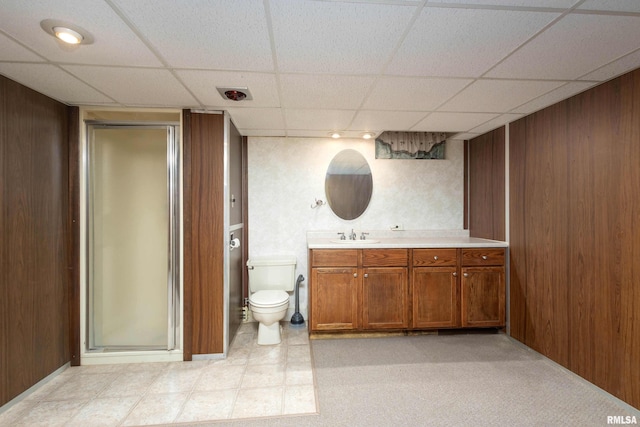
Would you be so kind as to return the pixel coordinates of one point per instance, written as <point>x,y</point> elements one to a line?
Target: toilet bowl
<point>269,308</point>
<point>270,278</point>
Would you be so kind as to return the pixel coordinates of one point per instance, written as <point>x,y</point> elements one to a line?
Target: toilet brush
<point>297,319</point>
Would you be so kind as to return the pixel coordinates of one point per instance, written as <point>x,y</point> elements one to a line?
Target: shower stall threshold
<point>109,356</point>
<point>120,348</point>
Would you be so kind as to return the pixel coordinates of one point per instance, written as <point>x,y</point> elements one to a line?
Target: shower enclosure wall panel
<point>132,242</point>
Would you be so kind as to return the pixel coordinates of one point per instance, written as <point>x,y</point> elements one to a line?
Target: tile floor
<point>253,381</point>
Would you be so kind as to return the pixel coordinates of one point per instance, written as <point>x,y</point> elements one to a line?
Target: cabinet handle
<point>366,275</point>
<point>484,257</point>
<point>355,274</point>
<point>466,274</point>
<point>455,274</point>
<point>435,257</point>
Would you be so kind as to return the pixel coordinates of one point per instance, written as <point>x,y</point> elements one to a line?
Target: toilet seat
<point>268,298</point>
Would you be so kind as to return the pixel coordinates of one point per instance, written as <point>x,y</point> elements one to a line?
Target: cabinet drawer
<point>334,258</point>
<point>483,256</point>
<point>385,257</point>
<point>435,257</point>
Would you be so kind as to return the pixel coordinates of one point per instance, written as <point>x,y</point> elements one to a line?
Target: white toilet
<point>270,278</point>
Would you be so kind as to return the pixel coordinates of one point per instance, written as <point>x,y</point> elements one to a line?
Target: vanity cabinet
<point>404,289</point>
<point>483,287</point>
<point>435,284</point>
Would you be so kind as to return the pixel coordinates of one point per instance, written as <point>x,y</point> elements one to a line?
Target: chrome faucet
<point>363,236</point>
<point>342,237</point>
<point>352,236</point>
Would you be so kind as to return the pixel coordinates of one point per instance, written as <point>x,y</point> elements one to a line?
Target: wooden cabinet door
<point>483,296</point>
<point>385,298</point>
<point>334,299</point>
<point>435,297</point>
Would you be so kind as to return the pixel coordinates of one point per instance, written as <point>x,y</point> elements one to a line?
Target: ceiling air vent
<point>235,93</point>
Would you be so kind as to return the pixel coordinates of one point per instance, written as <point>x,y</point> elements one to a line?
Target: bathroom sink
<point>355,242</point>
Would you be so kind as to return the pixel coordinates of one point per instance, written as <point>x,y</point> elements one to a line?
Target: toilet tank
<point>272,273</point>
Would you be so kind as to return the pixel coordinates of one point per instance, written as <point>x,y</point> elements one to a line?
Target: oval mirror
<point>348,184</point>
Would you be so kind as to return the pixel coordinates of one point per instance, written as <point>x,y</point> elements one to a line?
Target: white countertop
<point>404,242</point>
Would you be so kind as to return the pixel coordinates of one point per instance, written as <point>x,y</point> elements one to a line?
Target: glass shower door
<point>132,283</point>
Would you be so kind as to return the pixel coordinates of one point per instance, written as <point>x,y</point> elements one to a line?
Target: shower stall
<point>132,240</point>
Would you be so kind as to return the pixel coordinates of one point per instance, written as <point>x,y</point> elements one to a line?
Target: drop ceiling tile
<point>327,120</point>
<point>323,134</point>
<point>520,3</point>
<point>615,68</point>
<point>114,42</point>
<point>554,96</point>
<point>412,94</point>
<point>262,132</point>
<point>12,51</point>
<point>346,135</point>
<point>496,123</point>
<point>358,134</point>
<point>54,82</point>
<point>452,122</point>
<point>336,37</point>
<point>463,42</point>
<point>323,91</point>
<point>465,135</point>
<point>497,96</point>
<point>574,46</point>
<point>263,87</point>
<point>299,133</point>
<point>367,120</point>
<point>257,118</point>
<point>612,5</point>
<point>226,35</point>
<point>136,86</point>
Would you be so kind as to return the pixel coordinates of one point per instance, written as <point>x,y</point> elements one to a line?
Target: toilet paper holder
<point>233,242</point>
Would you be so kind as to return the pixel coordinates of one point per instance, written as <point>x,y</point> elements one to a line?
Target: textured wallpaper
<point>286,175</point>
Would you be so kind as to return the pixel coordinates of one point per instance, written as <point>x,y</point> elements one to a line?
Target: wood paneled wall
<point>35,238</point>
<point>203,233</point>
<point>73,225</point>
<point>486,160</point>
<point>575,236</point>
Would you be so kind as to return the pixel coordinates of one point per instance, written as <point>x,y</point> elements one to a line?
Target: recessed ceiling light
<point>367,135</point>
<point>66,32</point>
<point>67,35</point>
<point>335,135</point>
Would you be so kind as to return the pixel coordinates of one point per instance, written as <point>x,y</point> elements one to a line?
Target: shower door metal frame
<point>173,229</point>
